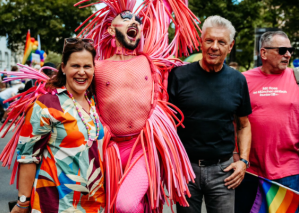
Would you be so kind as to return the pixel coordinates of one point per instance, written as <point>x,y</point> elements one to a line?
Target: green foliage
<point>53,20</point>
<point>53,57</point>
<point>283,15</point>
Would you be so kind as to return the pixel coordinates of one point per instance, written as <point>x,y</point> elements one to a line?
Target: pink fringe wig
<point>157,16</point>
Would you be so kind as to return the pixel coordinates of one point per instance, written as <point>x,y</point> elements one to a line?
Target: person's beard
<point>122,40</point>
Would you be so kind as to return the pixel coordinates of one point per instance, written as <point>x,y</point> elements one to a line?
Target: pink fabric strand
<point>160,139</point>
<point>19,107</point>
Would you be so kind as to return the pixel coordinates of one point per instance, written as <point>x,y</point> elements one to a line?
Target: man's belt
<point>210,162</point>
<point>126,138</point>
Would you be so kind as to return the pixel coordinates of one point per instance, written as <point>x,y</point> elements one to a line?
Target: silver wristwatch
<point>23,198</point>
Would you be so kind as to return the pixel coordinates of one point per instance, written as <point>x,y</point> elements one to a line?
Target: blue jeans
<point>209,184</point>
<point>290,181</point>
<point>246,192</point>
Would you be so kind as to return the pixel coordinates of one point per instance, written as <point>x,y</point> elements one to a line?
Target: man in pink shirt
<point>274,96</point>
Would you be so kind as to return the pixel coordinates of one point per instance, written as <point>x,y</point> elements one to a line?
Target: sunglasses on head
<point>129,15</point>
<point>282,50</point>
<point>75,40</point>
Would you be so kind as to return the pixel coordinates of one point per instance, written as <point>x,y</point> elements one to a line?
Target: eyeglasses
<point>128,15</point>
<point>282,50</point>
<point>76,40</point>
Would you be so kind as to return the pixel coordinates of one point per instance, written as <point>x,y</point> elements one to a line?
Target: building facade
<point>5,55</point>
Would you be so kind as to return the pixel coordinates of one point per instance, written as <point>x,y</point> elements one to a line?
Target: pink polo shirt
<point>274,123</point>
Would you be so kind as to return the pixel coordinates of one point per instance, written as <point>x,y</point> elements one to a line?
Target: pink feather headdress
<point>157,16</point>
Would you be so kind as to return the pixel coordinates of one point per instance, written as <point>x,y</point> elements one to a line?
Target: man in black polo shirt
<point>211,94</point>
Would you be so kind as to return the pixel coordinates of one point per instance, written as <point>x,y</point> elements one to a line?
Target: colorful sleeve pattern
<point>69,175</point>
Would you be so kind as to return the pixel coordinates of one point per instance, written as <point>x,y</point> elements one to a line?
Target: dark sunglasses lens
<point>87,40</point>
<point>283,50</point>
<point>138,19</point>
<point>71,40</point>
<point>126,14</point>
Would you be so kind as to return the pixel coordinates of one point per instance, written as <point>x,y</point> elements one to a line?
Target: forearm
<point>244,144</point>
<point>244,141</point>
<point>26,178</point>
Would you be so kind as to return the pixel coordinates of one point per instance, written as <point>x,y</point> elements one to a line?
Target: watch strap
<point>27,199</point>
<point>246,162</point>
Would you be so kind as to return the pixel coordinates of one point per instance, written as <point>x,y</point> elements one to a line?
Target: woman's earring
<point>63,73</point>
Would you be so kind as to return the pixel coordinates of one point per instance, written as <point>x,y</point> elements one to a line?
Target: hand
<point>17,209</point>
<point>236,178</point>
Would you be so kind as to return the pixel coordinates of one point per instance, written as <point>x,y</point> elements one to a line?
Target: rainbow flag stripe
<point>274,198</point>
<point>28,48</point>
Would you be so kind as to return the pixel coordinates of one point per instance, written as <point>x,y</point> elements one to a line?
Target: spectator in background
<point>2,111</point>
<point>6,94</point>
<point>11,83</point>
<point>234,65</point>
<point>30,83</point>
<point>49,72</point>
<point>37,67</point>
<point>14,68</point>
<point>3,78</point>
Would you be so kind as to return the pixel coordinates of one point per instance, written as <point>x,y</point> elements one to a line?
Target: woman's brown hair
<point>59,80</point>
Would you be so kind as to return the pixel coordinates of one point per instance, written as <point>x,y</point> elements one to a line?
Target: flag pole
<point>274,182</point>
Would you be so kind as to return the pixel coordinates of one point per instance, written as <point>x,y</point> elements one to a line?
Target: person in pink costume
<point>142,152</point>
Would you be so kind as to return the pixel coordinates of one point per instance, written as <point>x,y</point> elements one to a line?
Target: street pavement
<point>9,192</point>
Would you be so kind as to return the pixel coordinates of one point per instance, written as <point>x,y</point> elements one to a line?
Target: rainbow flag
<point>28,48</point>
<point>273,197</point>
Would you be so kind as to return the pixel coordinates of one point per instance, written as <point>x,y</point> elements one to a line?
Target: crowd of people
<point>102,137</point>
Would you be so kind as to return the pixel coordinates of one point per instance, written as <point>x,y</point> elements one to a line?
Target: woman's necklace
<point>95,115</point>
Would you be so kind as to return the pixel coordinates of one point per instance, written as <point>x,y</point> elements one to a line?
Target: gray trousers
<point>209,183</point>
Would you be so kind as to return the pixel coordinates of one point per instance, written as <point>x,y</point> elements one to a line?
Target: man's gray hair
<point>218,21</point>
<point>266,38</point>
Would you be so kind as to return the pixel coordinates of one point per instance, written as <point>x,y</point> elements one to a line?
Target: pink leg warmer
<point>133,189</point>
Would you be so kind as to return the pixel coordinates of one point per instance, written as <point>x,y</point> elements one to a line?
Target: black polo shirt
<point>209,102</point>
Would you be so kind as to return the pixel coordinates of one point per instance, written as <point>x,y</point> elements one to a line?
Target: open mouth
<point>132,33</point>
<point>285,62</point>
<point>80,80</point>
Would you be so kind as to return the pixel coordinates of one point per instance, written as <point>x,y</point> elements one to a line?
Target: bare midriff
<point>124,94</point>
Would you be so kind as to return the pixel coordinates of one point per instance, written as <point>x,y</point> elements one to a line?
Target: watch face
<point>23,198</point>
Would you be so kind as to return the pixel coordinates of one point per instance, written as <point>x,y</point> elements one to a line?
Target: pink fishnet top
<point>124,94</point>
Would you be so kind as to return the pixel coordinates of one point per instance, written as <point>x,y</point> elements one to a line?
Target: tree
<point>53,20</point>
<point>242,14</point>
<point>54,58</point>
